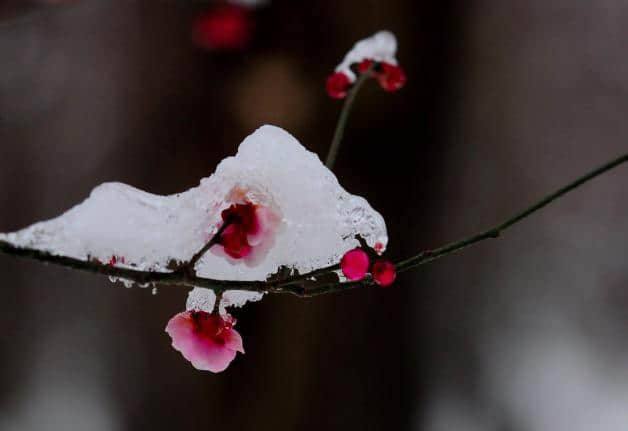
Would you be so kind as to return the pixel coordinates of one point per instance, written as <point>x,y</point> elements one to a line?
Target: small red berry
<point>354,264</point>
<point>384,272</point>
<point>391,77</point>
<point>364,65</point>
<point>337,85</point>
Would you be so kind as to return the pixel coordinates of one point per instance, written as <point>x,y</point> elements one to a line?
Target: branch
<point>292,284</point>
<point>344,116</point>
<point>215,239</point>
<point>495,231</point>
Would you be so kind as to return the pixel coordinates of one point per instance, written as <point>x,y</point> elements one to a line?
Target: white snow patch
<point>319,218</point>
<point>381,47</point>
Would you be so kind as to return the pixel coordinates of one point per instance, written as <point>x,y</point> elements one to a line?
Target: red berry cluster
<point>390,77</point>
<point>355,264</point>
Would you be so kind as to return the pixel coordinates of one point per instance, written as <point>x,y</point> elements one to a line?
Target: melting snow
<point>319,219</point>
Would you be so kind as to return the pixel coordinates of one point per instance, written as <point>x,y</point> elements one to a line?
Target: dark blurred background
<point>505,101</point>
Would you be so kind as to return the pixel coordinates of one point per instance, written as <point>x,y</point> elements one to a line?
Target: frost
<point>380,47</point>
<point>319,219</point>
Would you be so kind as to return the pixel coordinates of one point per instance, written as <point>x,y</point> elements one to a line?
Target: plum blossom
<point>378,51</point>
<point>250,228</point>
<point>207,340</point>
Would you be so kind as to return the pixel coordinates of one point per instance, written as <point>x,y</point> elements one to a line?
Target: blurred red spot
<point>337,85</point>
<point>226,28</point>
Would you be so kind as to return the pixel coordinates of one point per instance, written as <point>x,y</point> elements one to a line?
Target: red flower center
<point>211,325</point>
<point>242,222</point>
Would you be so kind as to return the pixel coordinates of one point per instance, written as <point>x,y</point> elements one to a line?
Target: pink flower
<point>226,27</point>
<point>384,273</point>
<point>250,229</point>
<point>207,340</point>
<point>354,264</point>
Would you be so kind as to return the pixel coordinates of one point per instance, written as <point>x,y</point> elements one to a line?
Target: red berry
<point>384,272</point>
<point>354,264</point>
<point>226,27</point>
<point>364,65</point>
<point>391,77</point>
<point>337,85</point>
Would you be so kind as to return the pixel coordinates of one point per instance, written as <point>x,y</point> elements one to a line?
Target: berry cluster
<point>356,263</point>
<point>391,77</point>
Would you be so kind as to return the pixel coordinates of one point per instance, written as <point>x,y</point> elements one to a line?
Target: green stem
<point>344,116</point>
<point>495,231</point>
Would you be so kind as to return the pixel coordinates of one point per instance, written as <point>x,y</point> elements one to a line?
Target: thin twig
<point>215,239</point>
<point>344,116</point>
<point>495,231</point>
<point>293,284</point>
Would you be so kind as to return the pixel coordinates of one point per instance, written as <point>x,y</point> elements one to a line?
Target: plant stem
<point>344,116</point>
<point>215,239</point>
<point>495,231</point>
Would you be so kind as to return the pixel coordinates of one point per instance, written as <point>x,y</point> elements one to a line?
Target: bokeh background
<point>505,101</point>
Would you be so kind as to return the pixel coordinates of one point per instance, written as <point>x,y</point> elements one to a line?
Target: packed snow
<point>381,47</point>
<point>319,219</point>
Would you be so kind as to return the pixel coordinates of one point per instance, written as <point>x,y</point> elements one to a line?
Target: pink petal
<point>265,222</point>
<point>233,340</point>
<point>206,351</point>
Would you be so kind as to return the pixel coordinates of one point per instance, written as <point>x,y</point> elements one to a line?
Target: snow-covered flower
<point>250,228</point>
<point>377,51</point>
<point>302,219</point>
<point>207,340</point>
